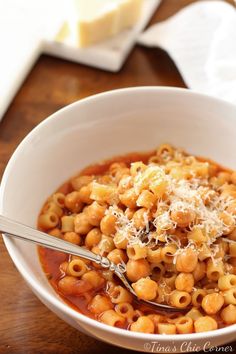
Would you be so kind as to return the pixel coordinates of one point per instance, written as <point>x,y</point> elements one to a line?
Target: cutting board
<point>28,28</point>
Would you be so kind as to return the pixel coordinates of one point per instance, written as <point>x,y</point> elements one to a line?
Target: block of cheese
<point>92,21</point>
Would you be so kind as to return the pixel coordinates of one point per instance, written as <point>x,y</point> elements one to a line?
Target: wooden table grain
<point>26,325</point>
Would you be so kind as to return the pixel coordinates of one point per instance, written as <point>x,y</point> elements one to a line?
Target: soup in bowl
<point>149,208</point>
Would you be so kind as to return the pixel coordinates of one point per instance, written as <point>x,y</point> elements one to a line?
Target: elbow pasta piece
<point>230,296</point>
<point>165,150</point>
<point>59,199</point>
<point>156,318</point>
<point>68,223</point>
<point>167,253</point>
<point>140,218</point>
<point>157,271</point>
<point>125,309</point>
<point>119,294</point>
<point>53,207</point>
<point>166,328</point>
<point>214,269</point>
<point>225,282</point>
<point>204,252</point>
<point>161,294</point>
<point>143,324</point>
<point>145,289</point>
<point>169,280</point>
<point>137,167</point>
<point>112,318</point>
<point>103,193</point>
<point>48,221</point>
<point>126,182</point>
<point>136,252</point>
<point>146,199</point>
<point>198,296</point>
<point>158,188</point>
<point>180,299</point>
<point>194,314</point>
<point>154,256</point>
<point>199,272</point>
<point>184,325</point>
<point>76,268</point>
<point>197,236</point>
<point>228,221</point>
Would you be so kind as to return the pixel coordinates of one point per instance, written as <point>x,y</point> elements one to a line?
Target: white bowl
<point>98,127</point>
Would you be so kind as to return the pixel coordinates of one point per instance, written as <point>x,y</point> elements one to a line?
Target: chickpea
<point>140,218</point>
<point>100,304</point>
<point>212,303</point>
<point>186,261</point>
<point>145,289</point>
<point>204,324</point>
<point>228,314</point>
<point>73,202</point>
<point>93,238</point>
<point>184,282</point>
<point>81,181</point>
<point>72,237</point>
<point>82,225</point>
<point>136,269</point>
<point>129,198</point>
<point>95,212</point>
<point>117,256</point>
<point>84,194</point>
<point>108,225</point>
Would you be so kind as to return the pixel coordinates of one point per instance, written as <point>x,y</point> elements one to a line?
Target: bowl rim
<point>54,299</point>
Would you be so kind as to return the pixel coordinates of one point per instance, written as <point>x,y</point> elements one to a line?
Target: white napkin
<point>201,39</point>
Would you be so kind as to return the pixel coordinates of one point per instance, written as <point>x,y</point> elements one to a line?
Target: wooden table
<point>26,325</point>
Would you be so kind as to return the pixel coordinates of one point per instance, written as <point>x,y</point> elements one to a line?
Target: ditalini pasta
<point>170,219</point>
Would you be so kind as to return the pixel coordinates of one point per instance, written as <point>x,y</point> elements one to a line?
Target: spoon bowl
<point>15,229</point>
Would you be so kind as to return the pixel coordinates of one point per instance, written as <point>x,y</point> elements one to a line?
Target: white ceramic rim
<point>62,306</point>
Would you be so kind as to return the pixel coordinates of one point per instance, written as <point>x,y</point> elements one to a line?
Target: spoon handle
<point>15,229</point>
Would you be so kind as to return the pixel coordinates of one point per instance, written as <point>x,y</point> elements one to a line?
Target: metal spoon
<point>15,229</point>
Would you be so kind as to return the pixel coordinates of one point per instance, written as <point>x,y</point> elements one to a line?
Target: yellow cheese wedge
<point>92,21</point>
